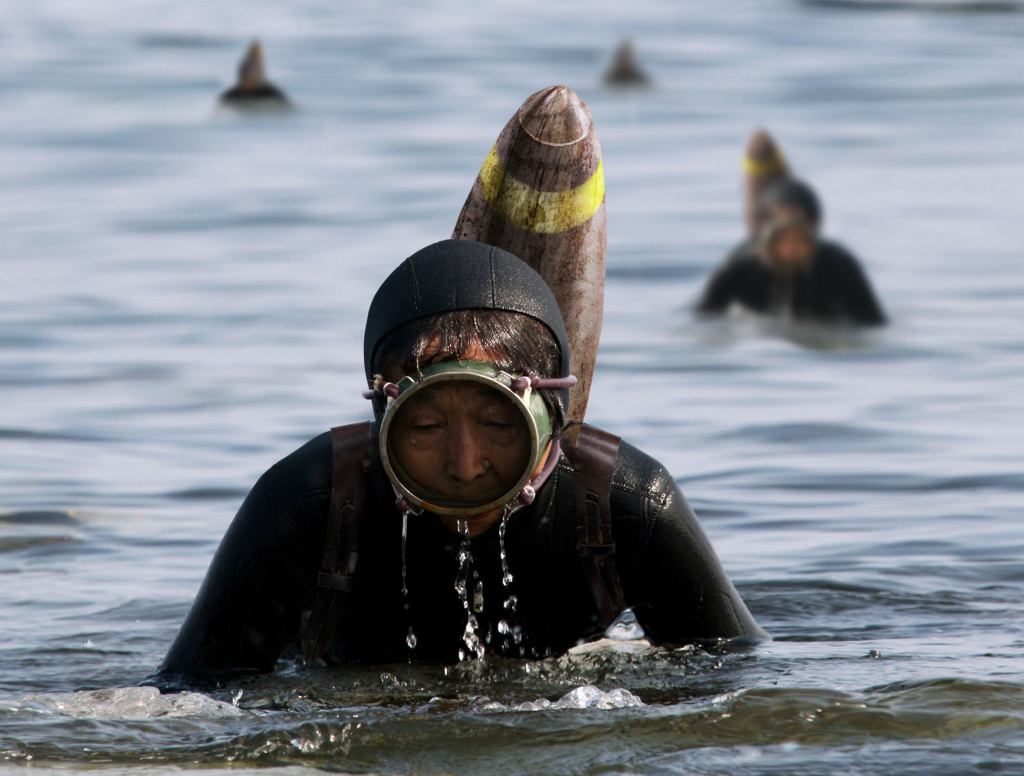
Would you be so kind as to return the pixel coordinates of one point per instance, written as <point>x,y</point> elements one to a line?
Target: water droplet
<point>410,638</point>
<point>478,597</point>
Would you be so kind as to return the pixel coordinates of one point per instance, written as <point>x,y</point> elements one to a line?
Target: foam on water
<point>126,703</point>
<point>586,697</point>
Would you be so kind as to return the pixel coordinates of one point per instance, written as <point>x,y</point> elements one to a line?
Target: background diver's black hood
<point>461,275</point>
<point>793,193</point>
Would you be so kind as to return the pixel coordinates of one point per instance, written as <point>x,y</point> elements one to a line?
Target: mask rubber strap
<point>388,389</point>
<point>533,380</point>
<point>519,384</point>
<point>529,491</point>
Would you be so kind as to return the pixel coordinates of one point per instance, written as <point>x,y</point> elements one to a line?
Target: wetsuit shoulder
<point>848,283</point>
<point>670,573</point>
<point>307,468</point>
<point>737,279</point>
<point>261,577</point>
<point>639,474</point>
<point>836,257</point>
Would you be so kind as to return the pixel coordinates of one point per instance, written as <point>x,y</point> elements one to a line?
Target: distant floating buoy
<point>253,91</point>
<point>624,71</point>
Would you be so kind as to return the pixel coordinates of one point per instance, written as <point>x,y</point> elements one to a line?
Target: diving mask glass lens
<point>788,242</point>
<point>463,437</point>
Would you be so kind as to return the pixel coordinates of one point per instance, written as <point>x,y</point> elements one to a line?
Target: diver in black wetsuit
<point>624,70</point>
<point>253,91</point>
<point>786,268</point>
<point>467,358</point>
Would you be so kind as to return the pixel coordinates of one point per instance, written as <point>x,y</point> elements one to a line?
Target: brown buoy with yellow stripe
<point>763,164</point>
<point>540,195</point>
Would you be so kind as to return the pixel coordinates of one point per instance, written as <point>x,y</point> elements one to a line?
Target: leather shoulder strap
<point>353,452</point>
<point>593,456</point>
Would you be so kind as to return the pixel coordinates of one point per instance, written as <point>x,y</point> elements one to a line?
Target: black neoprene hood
<point>793,193</point>
<point>460,275</point>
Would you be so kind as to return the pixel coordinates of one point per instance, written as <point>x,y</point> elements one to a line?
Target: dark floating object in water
<point>624,70</point>
<point>253,91</point>
<point>940,6</point>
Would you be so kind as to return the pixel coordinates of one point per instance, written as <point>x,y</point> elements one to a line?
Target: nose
<point>466,452</point>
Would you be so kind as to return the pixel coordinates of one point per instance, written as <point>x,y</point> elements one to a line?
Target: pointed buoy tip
<point>252,90</point>
<point>253,54</point>
<point>761,144</point>
<point>555,116</point>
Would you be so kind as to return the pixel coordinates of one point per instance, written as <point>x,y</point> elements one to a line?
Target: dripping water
<point>473,646</point>
<point>410,637</point>
<point>506,575</point>
<point>506,626</point>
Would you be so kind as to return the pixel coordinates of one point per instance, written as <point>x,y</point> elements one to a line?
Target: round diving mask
<point>463,437</point>
<point>788,242</point>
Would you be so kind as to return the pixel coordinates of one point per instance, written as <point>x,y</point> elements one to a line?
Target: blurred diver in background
<point>253,91</point>
<point>784,266</point>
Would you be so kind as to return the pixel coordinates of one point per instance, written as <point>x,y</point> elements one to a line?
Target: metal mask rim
<point>468,371</point>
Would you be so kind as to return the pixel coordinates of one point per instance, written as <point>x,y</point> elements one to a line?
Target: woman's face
<point>792,240</point>
<point>460,441</point>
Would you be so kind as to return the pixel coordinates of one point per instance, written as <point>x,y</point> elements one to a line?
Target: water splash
<point>586,697</point>
<point>625,627</point>
<point>129,703</point>
<point>625,636</point>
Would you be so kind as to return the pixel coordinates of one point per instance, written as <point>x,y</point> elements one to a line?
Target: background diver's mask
<point>801,237</point>
<point>514,431</point>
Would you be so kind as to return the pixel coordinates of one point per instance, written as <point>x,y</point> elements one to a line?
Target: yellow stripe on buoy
<point>759,169</point>
<point>543,212</point>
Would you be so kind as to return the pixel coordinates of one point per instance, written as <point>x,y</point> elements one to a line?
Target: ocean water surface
<point>182,304</point>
